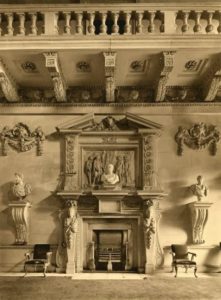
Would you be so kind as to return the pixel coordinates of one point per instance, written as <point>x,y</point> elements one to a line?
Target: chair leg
<point>172,268</point>
<point>45,269</point>
<point>25,270</point>
<point>195,269</point>
<point>176,270</point>
<point>186,269</point>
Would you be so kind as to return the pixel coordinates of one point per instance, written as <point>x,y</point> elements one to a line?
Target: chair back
<point>40,251</point>
<point>180,251</point>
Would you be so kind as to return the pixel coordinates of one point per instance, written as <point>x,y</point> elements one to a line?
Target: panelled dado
<point>98,19</point>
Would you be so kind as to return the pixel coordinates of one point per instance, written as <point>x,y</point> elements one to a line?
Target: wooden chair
<point>41,258</point>
<point>181,258</point>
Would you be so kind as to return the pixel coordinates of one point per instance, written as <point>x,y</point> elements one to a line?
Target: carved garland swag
<point>22,139</point>
<point>198,137</point>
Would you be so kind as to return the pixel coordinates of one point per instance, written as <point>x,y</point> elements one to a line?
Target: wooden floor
<point>162,286</point>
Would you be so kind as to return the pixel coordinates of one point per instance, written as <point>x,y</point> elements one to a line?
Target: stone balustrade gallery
<point>97,19</point>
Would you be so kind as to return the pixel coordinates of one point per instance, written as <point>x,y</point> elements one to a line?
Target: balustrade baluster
<point>10,29</point>
<point>185,26</point>
<point>197,28</point>
<point>151,26</point>
<point>33,28</point>
<point>79,26</point>
<point>219,27</point>
<point>67,27</point>
<point>21,25</point>
<point>91,27</point>
<point>139,27</point>
<point>127,27</point>
<point>209,27</point>
<point>103,27</point>
<point>115,27</point>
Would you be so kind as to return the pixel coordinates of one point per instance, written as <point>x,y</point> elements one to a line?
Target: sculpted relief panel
<point>108,168</point>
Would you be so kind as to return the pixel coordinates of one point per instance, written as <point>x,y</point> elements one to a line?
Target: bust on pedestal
<point>19,209</point>
<point>199,210</point>
<point>110,180</point>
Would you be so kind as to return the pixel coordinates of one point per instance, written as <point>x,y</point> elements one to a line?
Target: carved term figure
<point>110,177</point>
<point>199,189</point>
<point>19,188</point>
<point>70,226</point>
<point>149,223</point>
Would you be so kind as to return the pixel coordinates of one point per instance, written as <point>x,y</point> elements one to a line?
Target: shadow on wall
<point>50,207</point>
<point>213,257</point>
<point>55,137</point>
<point>179,193</point>
<point>178,216</point>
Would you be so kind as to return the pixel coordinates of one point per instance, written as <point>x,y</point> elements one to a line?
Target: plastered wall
<point>176,174</point>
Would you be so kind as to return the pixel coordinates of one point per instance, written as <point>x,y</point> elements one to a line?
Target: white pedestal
<point>199,215</point>
<point>20,217</point>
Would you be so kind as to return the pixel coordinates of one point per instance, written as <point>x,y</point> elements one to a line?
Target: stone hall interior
<point>110,129</point>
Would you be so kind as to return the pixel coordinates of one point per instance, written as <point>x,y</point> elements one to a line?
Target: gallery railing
<point>104,20</point>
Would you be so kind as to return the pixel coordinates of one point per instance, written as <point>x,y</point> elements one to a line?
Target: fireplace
<point>111,195</point>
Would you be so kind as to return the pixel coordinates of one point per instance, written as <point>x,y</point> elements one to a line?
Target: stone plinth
<point>199,215</point>
<point>20,217</point>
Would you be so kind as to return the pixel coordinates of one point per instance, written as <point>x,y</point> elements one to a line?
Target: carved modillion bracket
<point>212,86</point>
<point>20,217</point>
<point>109,65</point>
<point>199,215</point>
<point>167,60</point>
<point>53,66</point>
<point>8,84</point>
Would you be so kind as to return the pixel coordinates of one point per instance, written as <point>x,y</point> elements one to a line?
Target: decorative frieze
<point>22,139</point>
<point>197,137</point>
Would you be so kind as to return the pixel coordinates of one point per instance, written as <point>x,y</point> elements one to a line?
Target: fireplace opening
<point>110,250</point>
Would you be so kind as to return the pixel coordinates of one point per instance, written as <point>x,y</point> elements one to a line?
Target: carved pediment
<point>90,123</point>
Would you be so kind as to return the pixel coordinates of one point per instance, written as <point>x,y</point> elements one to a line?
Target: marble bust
<point>110,178</point>
<point>20,189</point>
<point>199,189</point>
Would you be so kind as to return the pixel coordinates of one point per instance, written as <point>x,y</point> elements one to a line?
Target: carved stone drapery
<point>153,250</point>
<point>197,137</point>
<point>22,139</point>
<point>20,217</point>
<point>71,163</point>
<point>199,215</point>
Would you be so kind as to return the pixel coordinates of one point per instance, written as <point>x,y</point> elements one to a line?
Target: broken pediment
<point>94,123</point>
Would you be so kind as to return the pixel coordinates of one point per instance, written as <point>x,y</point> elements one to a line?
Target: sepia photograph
<point>110,151</point>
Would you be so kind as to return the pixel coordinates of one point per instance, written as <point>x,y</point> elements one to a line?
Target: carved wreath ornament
<point>198,137</point>
<point>21,138</point>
